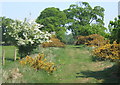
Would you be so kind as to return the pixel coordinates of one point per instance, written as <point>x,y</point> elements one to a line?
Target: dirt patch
<point>97,66</point>
<point>12,74</point>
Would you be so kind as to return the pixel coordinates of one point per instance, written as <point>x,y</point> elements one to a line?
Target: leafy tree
<point>82,15</point>
<point>53,20</point>
<point>114,29</point>
<point>26,36</point>
<point>88,29</point>
<point>68,39</point>
<point>4,23</point>
<point>99,29</point>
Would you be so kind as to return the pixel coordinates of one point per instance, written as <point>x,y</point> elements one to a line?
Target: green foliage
<point>4,23</point>
<point>53,20</point>
<point>88,29</point>
<point>98,29</point>
<point>114,29</point>
<point>68,39</point>
<point>82,15</point>
<point>70,61</point>
<point>26,36</point>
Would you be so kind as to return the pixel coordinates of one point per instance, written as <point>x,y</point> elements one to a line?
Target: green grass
<point>9,54</point>
<point>75,65</point>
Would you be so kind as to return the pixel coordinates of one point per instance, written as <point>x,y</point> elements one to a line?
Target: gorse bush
<point>55,43</point>
<point>108,51</point>
<point>39,63</point>
<point>92,40</point>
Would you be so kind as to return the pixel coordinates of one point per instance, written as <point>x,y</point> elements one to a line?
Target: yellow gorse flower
<point>55,43</point>
<point>39,63</point>
<point>93,40</point>
<point>109,51</point>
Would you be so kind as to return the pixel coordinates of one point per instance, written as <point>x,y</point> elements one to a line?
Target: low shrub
<point>55,43</point>
<point>39,63</point>
<point>108,51</point>
<point>93,40</point>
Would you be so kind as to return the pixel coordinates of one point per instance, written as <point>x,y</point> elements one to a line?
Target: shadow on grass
<point>9,59</point>
<point>95,58</point>
<point>109,75</point>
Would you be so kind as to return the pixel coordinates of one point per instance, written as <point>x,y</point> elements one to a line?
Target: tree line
<point>80,19</point>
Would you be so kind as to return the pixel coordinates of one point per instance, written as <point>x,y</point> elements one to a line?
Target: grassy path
<point>75,65</point>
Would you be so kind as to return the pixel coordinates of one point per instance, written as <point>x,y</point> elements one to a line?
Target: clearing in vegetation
<point>74,65</point>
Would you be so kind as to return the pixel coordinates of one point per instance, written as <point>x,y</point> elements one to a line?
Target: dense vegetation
<point>55,42</point>
<point>86,56</point>
<point>114,28</point>
<point>93,40</point>
<point>74,65</point>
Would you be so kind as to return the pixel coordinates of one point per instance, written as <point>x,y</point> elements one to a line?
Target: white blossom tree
<point>26,35</point>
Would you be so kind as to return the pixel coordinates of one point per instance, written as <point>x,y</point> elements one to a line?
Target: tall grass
<point>71,64</point>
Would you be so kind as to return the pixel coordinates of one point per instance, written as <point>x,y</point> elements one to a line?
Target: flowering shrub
<point>108,51</point>
<point>26,36</point>
<point>92,40</point>
<point>38,63</point>
<point>55,43</point>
